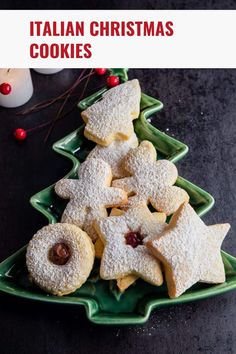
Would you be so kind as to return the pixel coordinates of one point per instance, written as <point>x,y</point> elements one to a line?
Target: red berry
<point>134,239</point>
<point>5,88</point>
<point>113,81</point>
<point>20,134</point>
<point>100,71</point>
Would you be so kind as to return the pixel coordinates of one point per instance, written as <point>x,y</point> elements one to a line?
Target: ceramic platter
<point>102,301</point>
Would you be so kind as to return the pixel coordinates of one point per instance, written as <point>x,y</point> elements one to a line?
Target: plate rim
<point>89,303</point>
<point>103,318</point>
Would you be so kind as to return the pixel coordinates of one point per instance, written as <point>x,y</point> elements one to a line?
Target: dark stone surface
<point>116,4</point>
<point>200,110</point>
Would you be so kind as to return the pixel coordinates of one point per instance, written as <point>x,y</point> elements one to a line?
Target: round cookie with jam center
<point>60,258</point>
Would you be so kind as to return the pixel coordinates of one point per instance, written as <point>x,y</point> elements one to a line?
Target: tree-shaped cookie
<point>111,118</point>
<point>190,251</point>
<point>151,180</point>
<point>90,195</point>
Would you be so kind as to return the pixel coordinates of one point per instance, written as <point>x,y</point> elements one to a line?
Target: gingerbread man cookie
<point>60,258</point>
<point>90,195</point>
<point>190,251</point>
<point>111,118</point>
<point>151,180</point>
<point>124,239</point>
<point>114,154</point>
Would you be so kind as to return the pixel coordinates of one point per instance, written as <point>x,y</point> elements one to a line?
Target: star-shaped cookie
<point>151,180</point>
<point>111,118</point>
<point>114,154</point>
<point>124,282</point>
<point>190,251</point>
<point>124,239</point>
<point>90,195</point>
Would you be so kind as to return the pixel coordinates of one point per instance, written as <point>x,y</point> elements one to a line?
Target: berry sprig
<point>20,134</point>
<point>44,104</point>
<point>112,80</point>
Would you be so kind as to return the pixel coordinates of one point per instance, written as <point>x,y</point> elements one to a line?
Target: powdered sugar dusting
<point>187,246</point>
<point>62,279</point>
<point>120,259</point>
<point>111,118</point>
<point>90,195</point>
<point>114,154</point>
<point>151,181</point>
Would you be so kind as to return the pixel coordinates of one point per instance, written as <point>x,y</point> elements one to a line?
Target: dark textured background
<point>200,110</point>
<point>119,4</point>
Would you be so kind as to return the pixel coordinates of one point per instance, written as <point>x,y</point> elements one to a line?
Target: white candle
<point>48,71</point>
<point>19,87</point>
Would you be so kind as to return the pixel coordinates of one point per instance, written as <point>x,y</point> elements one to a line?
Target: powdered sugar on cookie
<point>124,239</point>
<point>151,181</point>
<point>190,251</point>
<point>114,154</point>
<point>111,118</point>
<point>66,278</point>
<point>90,195</point>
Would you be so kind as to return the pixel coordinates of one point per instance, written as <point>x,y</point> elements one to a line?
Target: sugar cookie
<point>190,251</point>
<point>111,118</point>
<point>114,154</point>
<point>124,282</point>
<point>90,195</point>
<point>60,258</point>
<point>151,181</point>
<point>124,239</point>
<point>99,246</point>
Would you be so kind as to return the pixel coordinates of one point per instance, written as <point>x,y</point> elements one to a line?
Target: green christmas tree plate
<point>103,302</point>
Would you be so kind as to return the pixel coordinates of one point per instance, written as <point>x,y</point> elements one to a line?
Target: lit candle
<point>48,71</point>
<point>16,87</point>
